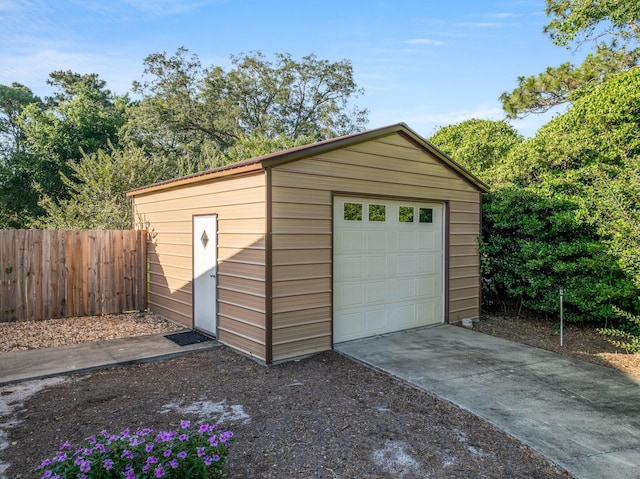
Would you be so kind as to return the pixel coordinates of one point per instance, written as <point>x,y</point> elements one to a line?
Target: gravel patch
<point>22,336</point>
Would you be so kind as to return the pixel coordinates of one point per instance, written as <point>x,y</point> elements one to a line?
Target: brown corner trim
<point>269,270</point>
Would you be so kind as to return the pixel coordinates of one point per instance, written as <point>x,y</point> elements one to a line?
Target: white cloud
<point>482,24</point>
<point>169,7</point>
<point>502,15</point>
<point>424,41</point>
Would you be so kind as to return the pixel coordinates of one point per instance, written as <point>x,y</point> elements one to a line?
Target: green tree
<point>602,128</point>
<point>13,99</point>
<point>566,83</point>
<point>478,145</point>
<point>565,209</point>
<point>582,21</point>
<point>534,242</point>
<point>199,113</point>
<point>79,119</point>
<point>15,172</point>
<point>577,22</point>
<point>97,190</point>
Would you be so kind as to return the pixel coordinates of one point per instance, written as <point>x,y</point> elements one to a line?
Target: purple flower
<point>65,447</point>
<point>148,447</point>
<point>45,463</point>
<point>225,436</point>
<point>182,454</point>
<point>108,464</point>
<point>60,457</point>
<point>47,474</point>
<point>125,433</point>
<point>215,458</point>
<point>146,468</point>
<point>204,428</point>
<point>91,440</point>
<point>129,474</point>
<point>127,453</point>
<point>83,476</point>
<point>158,471</point>
<point>165,436</point>
<point>213,441</point>
<point>207,460</point>
<point>185,424</point>
<point>183,437</point>
<point>167,453</point>
<point>152,460</point>
<point>201,451</point>
<point>173,463</point>
<point>85,466</point>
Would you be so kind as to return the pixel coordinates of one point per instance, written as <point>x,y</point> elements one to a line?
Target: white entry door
<point>205,270</point>
<point>388,266</point>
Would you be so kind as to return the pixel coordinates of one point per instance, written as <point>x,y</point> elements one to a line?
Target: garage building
<point>289,253</point>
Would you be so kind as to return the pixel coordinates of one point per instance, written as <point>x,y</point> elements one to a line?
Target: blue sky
<point>426,63</point>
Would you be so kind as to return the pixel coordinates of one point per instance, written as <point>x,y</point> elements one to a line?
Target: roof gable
<point>305,151</point>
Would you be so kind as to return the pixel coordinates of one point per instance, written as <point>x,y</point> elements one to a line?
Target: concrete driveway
<point>581,416</point>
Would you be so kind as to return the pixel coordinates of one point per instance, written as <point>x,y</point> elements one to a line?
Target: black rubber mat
<point>188,337</point>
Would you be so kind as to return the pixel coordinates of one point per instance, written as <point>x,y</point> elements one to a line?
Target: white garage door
<point>388,266</point>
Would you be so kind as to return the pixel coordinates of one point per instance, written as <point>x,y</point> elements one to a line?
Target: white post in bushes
<point>561,322</point>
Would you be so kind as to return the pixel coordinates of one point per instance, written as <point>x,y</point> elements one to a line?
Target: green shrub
<point>534,243</point>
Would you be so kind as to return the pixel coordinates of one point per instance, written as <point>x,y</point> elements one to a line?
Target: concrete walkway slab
<point>40,363</point>
<point>581,416</point>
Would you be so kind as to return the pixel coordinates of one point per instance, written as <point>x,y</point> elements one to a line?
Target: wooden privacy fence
<point>61,274</point>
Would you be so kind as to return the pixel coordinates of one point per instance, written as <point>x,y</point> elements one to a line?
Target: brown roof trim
<point>196,177</point>
<point>297,153</point>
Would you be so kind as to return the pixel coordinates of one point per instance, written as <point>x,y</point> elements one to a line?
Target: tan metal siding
<point>464,268</point>
<point>302,231</point>
<point>239,202</point>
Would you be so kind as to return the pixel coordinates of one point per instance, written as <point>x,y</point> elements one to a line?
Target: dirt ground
<point>325,416</point>
<point>579,341</point>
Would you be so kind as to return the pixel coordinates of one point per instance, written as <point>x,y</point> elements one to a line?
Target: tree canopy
<point>478,145</point>
<point>200,113</point>
<point>59,154</point>
<point>574,23</point>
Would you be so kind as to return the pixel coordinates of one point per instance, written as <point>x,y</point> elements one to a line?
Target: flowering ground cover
<point>145,453</point>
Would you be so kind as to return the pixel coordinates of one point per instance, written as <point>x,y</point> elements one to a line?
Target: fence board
<point>56,274</point>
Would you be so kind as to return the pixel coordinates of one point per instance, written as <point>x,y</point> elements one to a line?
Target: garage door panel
<point>405,289</point>
<point>404,316</point>
<point>351,242</point>
<point>350,296</point>
<point>376,267</point>
<point>387,274</point>
<point>376,320</point>
<point>406,240</point>
<point>426,263</point>
<point>405,265</point>
<point>427,287</point>
<point>350,268</point>
<point>377,292</point>
<point>376,241</point>
<point>351,326</point>
<point>428,310</point>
